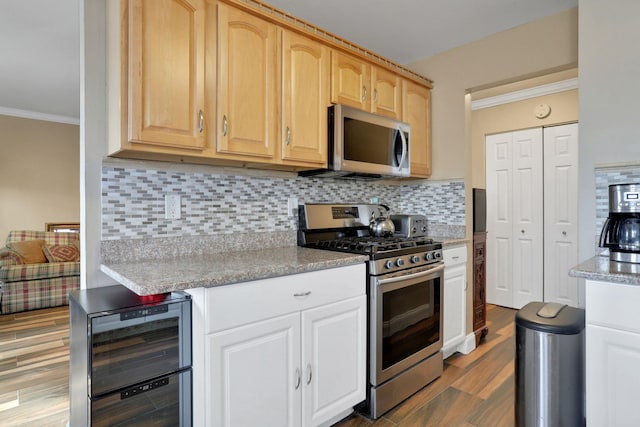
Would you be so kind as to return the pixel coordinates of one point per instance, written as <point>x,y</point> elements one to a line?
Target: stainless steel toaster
<point>410,225</point>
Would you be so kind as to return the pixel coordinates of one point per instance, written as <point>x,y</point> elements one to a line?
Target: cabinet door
<point>333,359</point>
<point>247,84</point>
<point>387,93</point>
<point>166,73</point>
<point>416,110</point>
<point>454,311</point>
<point>350,81</point>
<point>253,374</point>
<point>305,98</point>
<point>612,377</point>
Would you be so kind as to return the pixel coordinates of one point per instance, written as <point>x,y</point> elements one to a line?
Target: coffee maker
<point>621,230</point>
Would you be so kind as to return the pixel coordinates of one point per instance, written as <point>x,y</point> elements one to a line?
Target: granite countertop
<point>600,268</point>
<point>450,241</point>
<point>164,275</point>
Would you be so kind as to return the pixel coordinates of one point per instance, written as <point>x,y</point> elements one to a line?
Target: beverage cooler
<point>130,358</point>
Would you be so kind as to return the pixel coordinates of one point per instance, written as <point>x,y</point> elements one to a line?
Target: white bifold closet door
<point>531,183</point>
<point>560,213</point>
<point>514,218</point>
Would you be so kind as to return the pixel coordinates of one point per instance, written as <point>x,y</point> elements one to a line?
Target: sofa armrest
<point>9,258</point>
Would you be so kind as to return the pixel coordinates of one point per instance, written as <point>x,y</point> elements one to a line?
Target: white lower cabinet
<point>455,297</point>
<point>288,351</point>
<point>612,354</point>
<point>253,372</point>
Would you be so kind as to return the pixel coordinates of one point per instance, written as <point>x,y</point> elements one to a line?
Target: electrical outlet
<point>172,206</point>
<point>292,206</point>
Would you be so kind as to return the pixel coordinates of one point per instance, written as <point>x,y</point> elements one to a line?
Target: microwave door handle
<point>404,148</point>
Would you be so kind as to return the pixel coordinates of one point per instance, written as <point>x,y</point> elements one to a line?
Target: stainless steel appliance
<point>621,230</point>
<point>130,358</point>
<point>365,145</point>
<point>405,278</point>
<point>410,225</point>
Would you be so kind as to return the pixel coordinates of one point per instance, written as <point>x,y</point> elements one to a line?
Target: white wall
<point>609,66</point>
<point>93,136</point>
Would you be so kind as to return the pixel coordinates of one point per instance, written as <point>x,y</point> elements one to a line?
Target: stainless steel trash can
<point>549,368</point>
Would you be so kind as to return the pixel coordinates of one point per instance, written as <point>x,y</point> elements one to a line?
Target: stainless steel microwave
<point>365,145</point>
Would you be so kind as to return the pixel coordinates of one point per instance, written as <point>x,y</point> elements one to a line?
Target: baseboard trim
<point>468,345</point>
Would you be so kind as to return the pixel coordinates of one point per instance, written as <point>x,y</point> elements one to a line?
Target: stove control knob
<point>415,259</point>
<point>388,264</point>
<point>399,262</point>
<point>424,229</point>
<point>438,255</point>
<point>428,256</point>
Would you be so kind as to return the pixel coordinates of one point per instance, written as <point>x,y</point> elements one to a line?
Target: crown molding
<point>521,95</point>
<point>34,115</point>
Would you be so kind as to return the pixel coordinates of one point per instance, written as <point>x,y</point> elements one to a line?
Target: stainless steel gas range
<point>405,278</point>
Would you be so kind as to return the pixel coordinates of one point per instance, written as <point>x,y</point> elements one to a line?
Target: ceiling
<point>40,46</point>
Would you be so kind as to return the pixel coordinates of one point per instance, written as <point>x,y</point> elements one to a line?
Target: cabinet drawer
<point>612,305</point>
<point>238,304</point>
<point>455,255</point>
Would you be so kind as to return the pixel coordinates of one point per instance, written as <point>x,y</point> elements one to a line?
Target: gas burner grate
<point>372,244</point>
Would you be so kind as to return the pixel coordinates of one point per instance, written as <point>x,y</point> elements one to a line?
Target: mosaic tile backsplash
<point>221,202</point>
<point>607,176</point>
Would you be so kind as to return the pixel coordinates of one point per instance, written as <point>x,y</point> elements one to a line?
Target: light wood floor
<point>474,390</point>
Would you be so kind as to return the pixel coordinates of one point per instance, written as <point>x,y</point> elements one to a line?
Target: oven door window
<point>410,320</point>
<point>127,349</point>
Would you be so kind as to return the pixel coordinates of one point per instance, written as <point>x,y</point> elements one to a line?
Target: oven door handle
<point>419,275</point>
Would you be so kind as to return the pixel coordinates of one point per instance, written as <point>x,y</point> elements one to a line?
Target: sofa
<point>38,269</point>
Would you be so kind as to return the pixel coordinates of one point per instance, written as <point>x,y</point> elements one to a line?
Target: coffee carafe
<point>621,231</point>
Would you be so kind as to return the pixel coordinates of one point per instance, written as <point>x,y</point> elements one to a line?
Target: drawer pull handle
<point>455,257</point>
<point>302,294</point>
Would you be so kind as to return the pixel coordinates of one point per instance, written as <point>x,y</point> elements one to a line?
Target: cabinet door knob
<point>309,373</point>
<point>564,233</point>
<point>298,378</point>
<point>201,121</point>
<point>224,125</point>
<point>522,231</point>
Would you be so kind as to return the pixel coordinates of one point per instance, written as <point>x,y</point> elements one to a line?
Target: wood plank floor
<point>475,389</point>
<point>34,368</point>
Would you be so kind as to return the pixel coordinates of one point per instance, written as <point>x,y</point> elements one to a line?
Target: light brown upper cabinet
<point>166,73</point>
<point>350,81</point>
<point>387,93</point>
<point>247,84</point>
<point>359,84</point>
<point>416,100</point>
<point>227,83</point>
<point>305,98</point>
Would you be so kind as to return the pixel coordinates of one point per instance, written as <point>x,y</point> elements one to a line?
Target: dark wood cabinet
<point>479,285</point>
